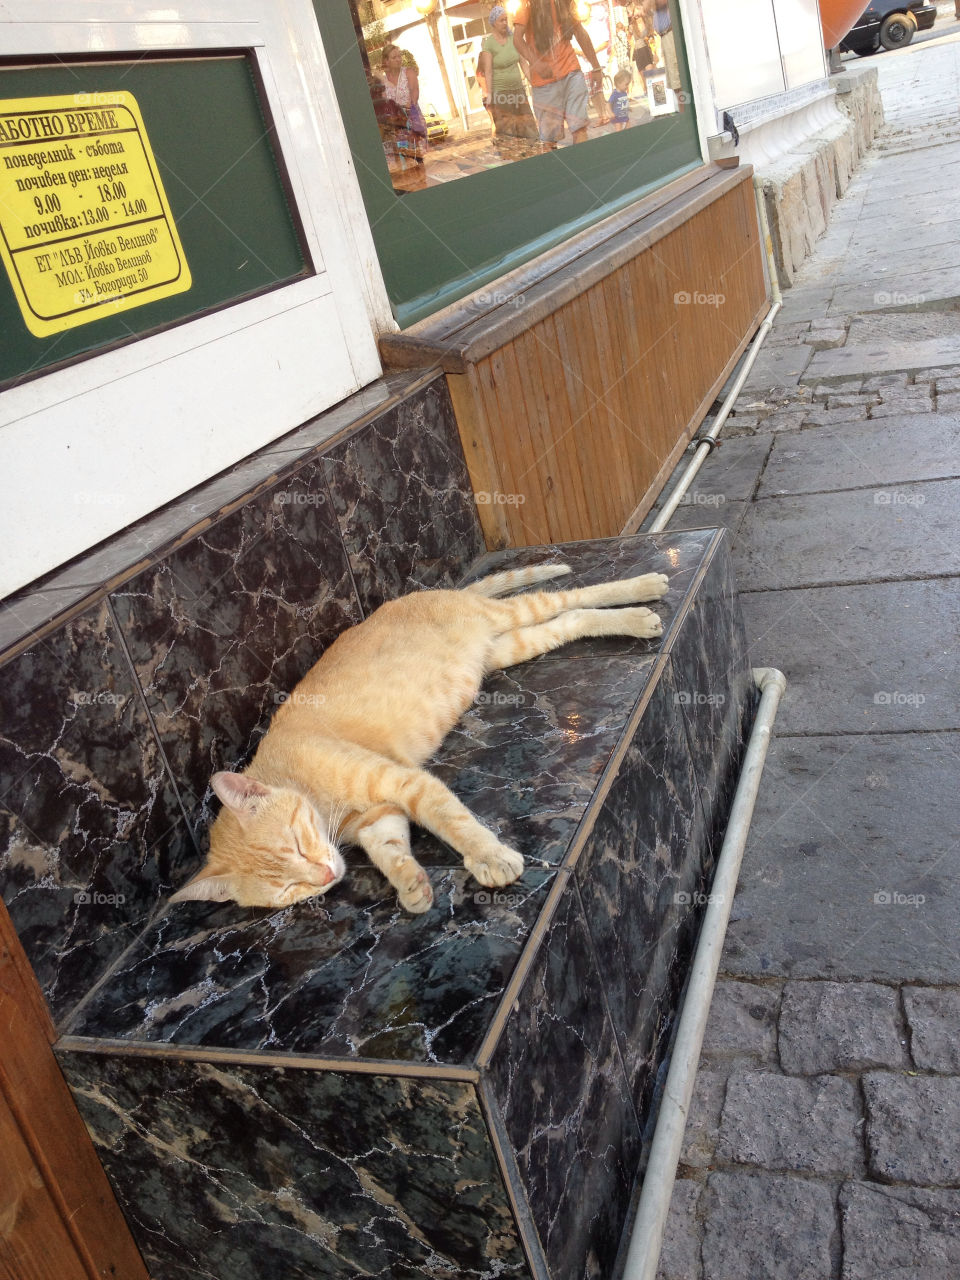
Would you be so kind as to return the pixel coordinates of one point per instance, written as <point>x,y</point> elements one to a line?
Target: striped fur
<point>341,761</point>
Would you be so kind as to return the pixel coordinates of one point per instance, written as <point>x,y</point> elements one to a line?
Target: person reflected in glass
<point>662,22</point>
<point>542,33</point>
<point>500,72</point>
<point>620,100</point>
<point>621,51</point>
<point>401,85</point>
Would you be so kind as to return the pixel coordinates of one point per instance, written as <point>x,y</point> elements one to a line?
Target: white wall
<point>757,48</point>
<point>89,449</point>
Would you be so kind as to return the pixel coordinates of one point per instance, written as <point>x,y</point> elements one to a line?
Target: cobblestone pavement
<point>824,1138</point>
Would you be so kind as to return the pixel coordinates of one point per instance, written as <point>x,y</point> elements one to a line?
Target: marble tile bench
<point>340,1088</point>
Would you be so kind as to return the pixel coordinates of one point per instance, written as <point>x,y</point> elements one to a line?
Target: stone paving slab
<point>929,233</point>
<point>912,1127</point>
<point>899,1233</point>
<point>698,515</point>
<point>703,1119</point>
<point>868,534</point>
<point>860,359</point>
<point>933,1015</point>
<point>762,1227</point>
<point>850,873</point>
<point>790,1125</point>
<point>862,659</point>
<point>680,1256</point>
<point>850,457</point>
<point>742,1022</point>
<point>840,1026</point>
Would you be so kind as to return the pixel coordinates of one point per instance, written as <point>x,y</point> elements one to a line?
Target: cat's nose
<point>333,870</point>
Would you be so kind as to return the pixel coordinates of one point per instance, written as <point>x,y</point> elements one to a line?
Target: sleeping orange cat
<point>341,760</point>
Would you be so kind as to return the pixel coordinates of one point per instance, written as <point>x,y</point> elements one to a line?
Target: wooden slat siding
<point>467,394</point>
<point>74,1221</point>
<point>578,401</point>
<point>614,461</point>
<point>539,476</point>
<point>581,441</point>
<point>572,496</point>
<point>586,407</point>
<point>520,466</point>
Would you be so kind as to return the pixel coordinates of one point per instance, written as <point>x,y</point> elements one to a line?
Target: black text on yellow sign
<point>85,227</point>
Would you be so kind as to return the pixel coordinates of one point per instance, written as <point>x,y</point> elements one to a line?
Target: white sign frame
<point>88,449</point>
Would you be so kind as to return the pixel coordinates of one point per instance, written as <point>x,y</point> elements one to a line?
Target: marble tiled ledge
<point>32,611</point>
<point>340,1088</point>
<point>139,671</point>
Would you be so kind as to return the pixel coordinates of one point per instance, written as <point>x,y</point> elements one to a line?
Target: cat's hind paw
<point>495,867</point>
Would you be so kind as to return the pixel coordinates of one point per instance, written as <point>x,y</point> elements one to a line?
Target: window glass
<point>459,89</point>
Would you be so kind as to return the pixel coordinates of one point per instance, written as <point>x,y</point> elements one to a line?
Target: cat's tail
<point>497,584</point>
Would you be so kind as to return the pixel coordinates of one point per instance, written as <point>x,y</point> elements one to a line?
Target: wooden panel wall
<point>59,1219</point>
<point>570,428</point>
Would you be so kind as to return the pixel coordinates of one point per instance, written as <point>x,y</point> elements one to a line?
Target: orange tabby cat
<point>341,759</point>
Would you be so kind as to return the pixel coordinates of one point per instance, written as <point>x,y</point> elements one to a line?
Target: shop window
<point>454,95</point>
<point>461,173</point>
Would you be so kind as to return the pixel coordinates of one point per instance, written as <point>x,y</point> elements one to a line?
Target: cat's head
<point>268,848</point>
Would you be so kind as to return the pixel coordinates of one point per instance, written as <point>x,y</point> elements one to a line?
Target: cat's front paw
<point>654,586</point>
<point>644,624</point>
<point>496,866</point>
<point>414,890</point>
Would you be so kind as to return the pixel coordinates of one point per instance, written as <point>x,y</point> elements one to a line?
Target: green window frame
<point>439,244</point>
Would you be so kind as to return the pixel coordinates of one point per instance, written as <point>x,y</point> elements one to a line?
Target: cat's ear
<point>241,795</point>
<point>206,888</point>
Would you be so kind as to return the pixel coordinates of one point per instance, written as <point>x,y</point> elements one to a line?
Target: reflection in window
<point>453,94</point>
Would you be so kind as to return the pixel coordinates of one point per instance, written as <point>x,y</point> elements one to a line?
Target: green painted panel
<point>438,244</point>
<point>213,147</point>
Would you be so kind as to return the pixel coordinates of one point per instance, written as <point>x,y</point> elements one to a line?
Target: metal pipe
<point>703,450</point>
<point>646,1237</point>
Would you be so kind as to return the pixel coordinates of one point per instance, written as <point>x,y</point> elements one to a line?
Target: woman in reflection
<point>542,32</point>
<point>504,93</point>
<point>402,86</point>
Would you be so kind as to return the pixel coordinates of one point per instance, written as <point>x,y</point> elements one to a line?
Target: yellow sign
<point>85,227</point>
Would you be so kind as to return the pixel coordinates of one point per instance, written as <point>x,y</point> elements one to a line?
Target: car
<point>437,128</point>
<point>888,26</point>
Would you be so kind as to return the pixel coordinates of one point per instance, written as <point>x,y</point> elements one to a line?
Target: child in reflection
<point>620,101</point>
